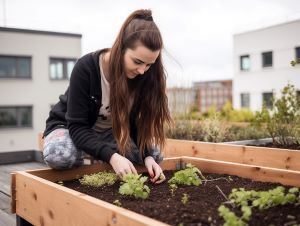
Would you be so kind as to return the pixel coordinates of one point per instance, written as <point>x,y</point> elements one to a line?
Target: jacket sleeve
<point>77,116</point>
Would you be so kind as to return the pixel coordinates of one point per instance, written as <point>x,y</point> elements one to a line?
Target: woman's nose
<point>141,70</point>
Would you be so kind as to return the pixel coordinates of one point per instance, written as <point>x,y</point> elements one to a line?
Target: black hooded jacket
<point>78,109</point>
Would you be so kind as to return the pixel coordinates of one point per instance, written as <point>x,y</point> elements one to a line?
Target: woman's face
<point>139,60</point>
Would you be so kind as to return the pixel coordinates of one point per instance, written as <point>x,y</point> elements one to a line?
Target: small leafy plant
<point>255,199</point>
<point>214,131</point>
<point>283,120</point>
<point>117,202</point>
<point>99,179</point>
<point>230,218</point>
<point>188,176</point>
<point>173,188</point>
<point>185,198</point>
<point>133,185</point>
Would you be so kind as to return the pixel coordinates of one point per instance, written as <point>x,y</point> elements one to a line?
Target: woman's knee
<point>60,158</point>
<point>59,151</point>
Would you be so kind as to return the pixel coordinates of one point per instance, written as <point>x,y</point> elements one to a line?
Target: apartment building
<point>262,64</point>
<point>180,100</point>
<point>212,94</point>
<point>35,67</point>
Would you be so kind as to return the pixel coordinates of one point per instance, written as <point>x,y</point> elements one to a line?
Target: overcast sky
<point>197,33</point>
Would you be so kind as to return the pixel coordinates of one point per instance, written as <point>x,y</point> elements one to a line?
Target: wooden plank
<point>6,170</point>
<point>42,202</point>
<point>13,193</point>
<point>171,163</point>
<point>175,148</point>
<point>56,175</point>
<point>5,203</point>
<point>272,157</point>
<point>5,186</point>
<point>268,157</point>
<point>7,219</point>
<point>258,173</point>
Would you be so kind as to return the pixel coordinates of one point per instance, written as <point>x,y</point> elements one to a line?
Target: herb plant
<point>230,218</point>
<point>262,199</point>
<point>283,120</point>
<point>188,176</point>
<point>255,199</point>
<point>185,199</point>
<point>99,179</point>
<point>173,188</point>
<point>133,185</point>
<point>117,202</point>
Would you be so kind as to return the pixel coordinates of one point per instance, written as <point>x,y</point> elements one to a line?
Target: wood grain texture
<point>42,202</point>
<point>257,173</point>
<point>268,157</point>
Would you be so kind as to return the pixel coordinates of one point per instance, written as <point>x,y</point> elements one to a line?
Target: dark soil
<point>202,207</point>
<point>271,145</point>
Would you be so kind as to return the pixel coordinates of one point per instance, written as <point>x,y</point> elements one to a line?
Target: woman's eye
<point>137,62</point>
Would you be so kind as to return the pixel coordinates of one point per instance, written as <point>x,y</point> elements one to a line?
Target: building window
<point>297,52</point>
<point>15,116</point>
<point>245,100</point>
<point>268,100</point>
<point>245,62</point>
<point>267,59</point>
<point>61,69</point>
<point>15,67</point>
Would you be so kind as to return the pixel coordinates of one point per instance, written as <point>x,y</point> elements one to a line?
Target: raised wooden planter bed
<point>40,201</point>
<point>261,156</point>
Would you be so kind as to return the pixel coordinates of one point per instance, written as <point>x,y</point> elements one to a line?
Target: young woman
<point>115,107</point>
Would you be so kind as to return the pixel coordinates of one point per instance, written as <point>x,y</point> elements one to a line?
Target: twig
<point>222,193</point>
<point>220,178</point>
<point>290,223</point>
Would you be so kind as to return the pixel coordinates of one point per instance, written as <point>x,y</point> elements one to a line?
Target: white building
<point>181,100</point>
<point>34,70</point>
<point>262,64</point>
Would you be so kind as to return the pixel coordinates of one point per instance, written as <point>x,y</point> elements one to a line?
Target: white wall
<point>40,91</point>
<point>281,40</point>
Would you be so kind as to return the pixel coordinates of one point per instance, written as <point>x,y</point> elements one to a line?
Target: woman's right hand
<point>121,165</point>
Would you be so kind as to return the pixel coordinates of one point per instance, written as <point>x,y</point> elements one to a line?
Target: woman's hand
<point>121,165</point>
<point>154,170</point>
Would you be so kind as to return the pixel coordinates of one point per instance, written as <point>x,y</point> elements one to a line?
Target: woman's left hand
<point>154,170</point>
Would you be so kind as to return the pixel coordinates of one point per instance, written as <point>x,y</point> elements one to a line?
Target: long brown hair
<point>150,105</point>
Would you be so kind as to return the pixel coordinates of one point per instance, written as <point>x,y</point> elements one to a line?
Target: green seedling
<point>99,179</point>
<point>117,202</point>
<point>263,199</point>
<point>133,185</point>
<point>173,188</point>
<point>188,176</point>
<point>185,199</point>
<point>255,199</point>
<point>230,218</point>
